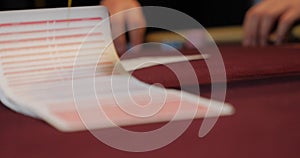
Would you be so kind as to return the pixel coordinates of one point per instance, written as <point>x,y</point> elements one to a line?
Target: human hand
<point>261,19</point>
<point>123,19</point>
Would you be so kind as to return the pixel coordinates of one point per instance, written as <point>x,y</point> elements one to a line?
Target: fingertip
<point>263,42</point>
<point>246,42</point>
<point>279,40</point>
<point>253,43</point>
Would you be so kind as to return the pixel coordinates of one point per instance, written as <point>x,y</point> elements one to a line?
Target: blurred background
<point>32,4</point>
<point>209,12</point>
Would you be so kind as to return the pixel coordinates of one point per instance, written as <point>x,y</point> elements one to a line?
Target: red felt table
<point>263,86</point>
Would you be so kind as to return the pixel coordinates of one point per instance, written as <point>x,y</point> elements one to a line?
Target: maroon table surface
<point>266,123</point>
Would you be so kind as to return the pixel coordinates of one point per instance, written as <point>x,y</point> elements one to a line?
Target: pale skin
<point>261,18</point>
<point>125,16</point>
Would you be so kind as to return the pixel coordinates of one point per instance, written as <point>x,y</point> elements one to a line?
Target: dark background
<point>208,12</point>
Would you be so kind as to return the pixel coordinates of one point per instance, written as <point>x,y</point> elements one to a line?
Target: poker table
<point>263,85</point>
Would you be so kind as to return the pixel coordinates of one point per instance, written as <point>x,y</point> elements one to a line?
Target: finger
<point>285,23</point>
<point>118,32</point>
<point>120,44</point>
<point>137,26</point>
<point>250,27</point>
<point>271,15</point>
<point>267,24</point>
<point>137,36</point>
<point>265,28</point>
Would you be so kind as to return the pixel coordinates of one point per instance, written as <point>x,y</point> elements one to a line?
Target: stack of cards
<point>60,65</point>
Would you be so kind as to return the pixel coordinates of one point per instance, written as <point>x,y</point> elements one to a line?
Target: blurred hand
<point>126,16</point>
<point>261,18</point>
